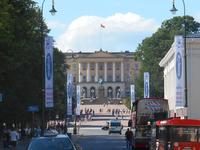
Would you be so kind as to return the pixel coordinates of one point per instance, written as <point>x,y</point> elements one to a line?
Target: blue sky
<point>76,25</point>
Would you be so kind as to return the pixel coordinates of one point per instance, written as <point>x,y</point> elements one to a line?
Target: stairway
<point>100,101</point>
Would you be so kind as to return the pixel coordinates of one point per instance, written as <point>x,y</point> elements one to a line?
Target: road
<point>96,139</point>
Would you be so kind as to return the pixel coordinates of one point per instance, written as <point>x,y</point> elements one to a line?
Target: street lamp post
<point>173,10</point>
<point>75,126</point>
<point>52,11</point>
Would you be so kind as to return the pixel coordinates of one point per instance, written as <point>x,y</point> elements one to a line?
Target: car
<point>51,142</point>
<point>115,126</point>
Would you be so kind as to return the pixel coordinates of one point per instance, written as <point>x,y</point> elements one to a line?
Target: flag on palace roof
<point>103,26</point>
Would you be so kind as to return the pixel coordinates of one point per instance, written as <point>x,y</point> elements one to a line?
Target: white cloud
<point>197,17</point>
<point>121,32</point>
<point>55,25</point>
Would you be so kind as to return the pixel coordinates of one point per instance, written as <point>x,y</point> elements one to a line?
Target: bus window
<point>185,134</point>
<point>199,135</point>
<point>162,133</point>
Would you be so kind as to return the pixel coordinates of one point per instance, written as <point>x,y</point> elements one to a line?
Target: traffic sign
<point>33,108</point>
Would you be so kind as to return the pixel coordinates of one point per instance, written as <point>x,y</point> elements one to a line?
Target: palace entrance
<point>101,92</point>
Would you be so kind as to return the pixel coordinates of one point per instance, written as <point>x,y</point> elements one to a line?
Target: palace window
<point>84,66</point>
<point>109,66</point>
<point>117,65</point>
<point>118,78</point>
<point>92,78</point>
<point>101,66</point>
<point>92,66</point>
<point>84,78</point>
<point>109,78</point>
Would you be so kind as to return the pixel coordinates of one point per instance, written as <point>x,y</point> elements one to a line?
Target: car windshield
<point>115,124</point>
<point>51,144</point>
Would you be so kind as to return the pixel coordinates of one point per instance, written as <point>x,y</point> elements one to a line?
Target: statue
<point>92,93</point>
<point>83,93</point>
<point>118,93</point>
<point>100,81</point>
<point>110,93</point>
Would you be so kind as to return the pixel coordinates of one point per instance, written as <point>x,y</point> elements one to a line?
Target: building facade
<point>193,81</point>
<point>103,74</point>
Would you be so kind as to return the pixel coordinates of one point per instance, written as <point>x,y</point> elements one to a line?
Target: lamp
<point>53,11</point>
<point>173,10</point>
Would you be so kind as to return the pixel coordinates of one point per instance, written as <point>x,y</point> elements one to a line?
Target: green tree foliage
<point>153,49</point>
<point>21,59</point>
<point>59,83</point>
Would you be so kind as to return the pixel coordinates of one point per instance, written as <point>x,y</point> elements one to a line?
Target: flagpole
<point>101,32</point>
<point>100,37</point>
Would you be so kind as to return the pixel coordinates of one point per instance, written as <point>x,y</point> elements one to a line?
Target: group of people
<point>10,137</point>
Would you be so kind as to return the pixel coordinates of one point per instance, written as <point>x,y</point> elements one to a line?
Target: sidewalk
<point>22,144</point>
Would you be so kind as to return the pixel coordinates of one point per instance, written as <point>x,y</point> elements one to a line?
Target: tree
<point>60,83</point>
<point>21,59</point>
<point>153,49</point>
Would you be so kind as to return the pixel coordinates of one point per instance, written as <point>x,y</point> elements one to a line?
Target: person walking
<point>129,139</point>
<point>14,137</point>
<point>5,138</point>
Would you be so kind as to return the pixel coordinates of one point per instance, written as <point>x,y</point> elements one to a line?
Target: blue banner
<point>146,85</point>
<point>48,72</point>
<point>179,58</point>
<point>69,93</point>
<point>78,99</point>
<point>1,97</point>
<point>132,94</point>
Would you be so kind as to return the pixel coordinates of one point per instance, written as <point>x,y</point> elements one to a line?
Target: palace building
<point>103,74</point>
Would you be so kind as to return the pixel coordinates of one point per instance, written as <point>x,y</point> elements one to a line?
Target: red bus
<point>144,113</point>
<point>178,134</point>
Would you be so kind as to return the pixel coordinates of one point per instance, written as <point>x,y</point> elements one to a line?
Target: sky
<point>77,24</point>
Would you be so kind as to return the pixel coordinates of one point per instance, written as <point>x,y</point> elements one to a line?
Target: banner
<point>48,46</point>
<point>132,94</point>
<point>146,85</point>
<point>69,93</point>
<point>179,58</point>
<point>1,97</point>
<point>78,100</point>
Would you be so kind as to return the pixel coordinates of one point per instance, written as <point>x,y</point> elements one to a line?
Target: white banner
<point>69,93</point>
<point>132,94</point>
<point>78,99</point>
<point>146,85</point>
<point>48,46</point>
<point>179,57</point>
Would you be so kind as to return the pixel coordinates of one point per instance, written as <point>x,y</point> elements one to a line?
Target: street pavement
<point>90,136</point>
<point>97,139</point>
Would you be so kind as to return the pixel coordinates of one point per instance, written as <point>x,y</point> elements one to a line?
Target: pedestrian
<point>14,137</point>
<point>129,139</point>
<point>130,123</point>
<point>5,138</point>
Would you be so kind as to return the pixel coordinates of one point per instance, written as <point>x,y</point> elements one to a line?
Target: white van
<point>115,126</point>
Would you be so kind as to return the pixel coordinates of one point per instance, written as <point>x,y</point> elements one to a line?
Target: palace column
<point>79,72</point>
<point>105,71</point>
<point>113,71</point>
<point>96,72</point>
<point>88,72</point>
<point>122,71</point>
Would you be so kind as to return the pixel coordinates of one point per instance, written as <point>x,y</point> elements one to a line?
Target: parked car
<point>51,142</point>
<point>115,126</point>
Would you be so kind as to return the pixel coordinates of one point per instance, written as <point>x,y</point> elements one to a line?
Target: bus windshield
<point>151,110</point>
